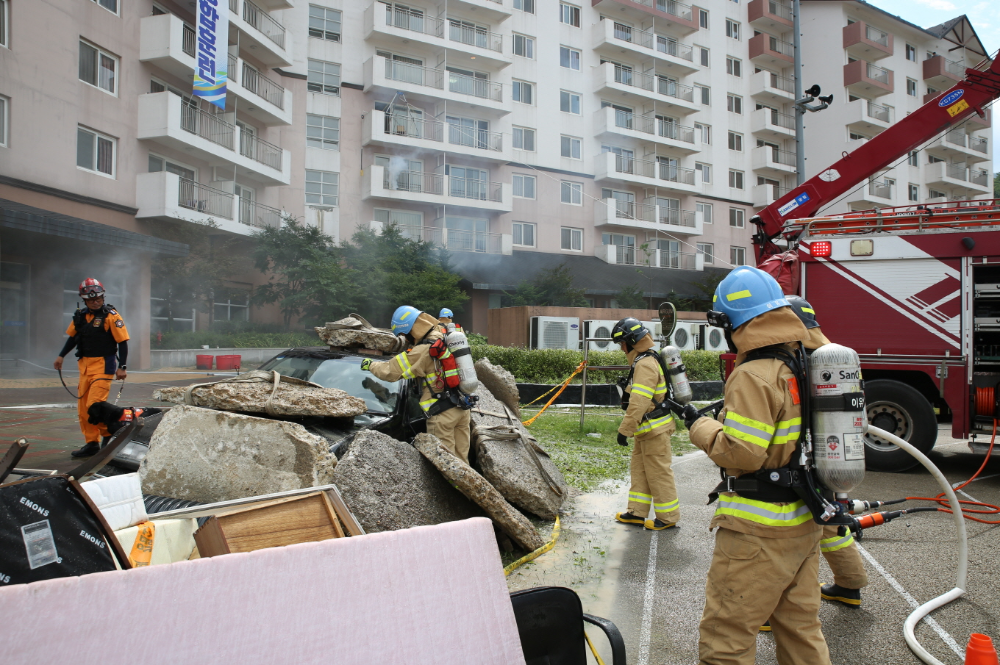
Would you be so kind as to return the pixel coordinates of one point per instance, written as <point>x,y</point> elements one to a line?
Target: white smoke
<point>396,166</point>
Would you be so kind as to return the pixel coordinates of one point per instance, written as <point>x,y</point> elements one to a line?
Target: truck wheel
<point>901,410</point>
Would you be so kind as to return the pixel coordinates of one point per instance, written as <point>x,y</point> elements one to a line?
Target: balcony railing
<point>196,196</point>
<point>258,215</point>
<point>460,240</point>
<point>783,120</point>
<point>208,126</point>
<point>658,84</point>
<point>979,177</point>
<point>631,255</point>
<point>879,112</point>
<point>956,69</point>
<point>780,82</point>
<point>647,213</point>
<point>474,36</point>
<point>778,46</point>
<point>477,190</point>
<point>675,48</point>
<point>877,36</point>
<point>669,7</point>
<point>261,20</point>
<point>434,78</point>
<point>188,40</point>
<point>414,21</point>
<point>417,128</point>
<point>260,150</point>
<point>262,86</point>
<point>880,189</point>
<point>651,40</point>
<point>413,181</point>
<point>779,9</point>
<point>475,138</point>
<point>659,170</point>
<point>956,171</point>
<point>978,144</point>
<point>877,73</point>
<point>955,137</point>
<point>782,157</point>
<point>476,87</point>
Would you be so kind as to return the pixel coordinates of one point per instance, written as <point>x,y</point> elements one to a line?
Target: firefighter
<point>446,316</point>
<point>99,334</point>
<point>652,478</point>
<point>448,417</point>
<point>766,558</point>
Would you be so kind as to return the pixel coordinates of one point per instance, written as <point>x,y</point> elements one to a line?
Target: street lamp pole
<point>800,149</point>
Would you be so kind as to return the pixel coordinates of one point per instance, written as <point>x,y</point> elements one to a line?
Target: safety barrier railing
<point>778,119</point>
<point>476,87</point>
<point>955,137</point>
<point>417,128</point>
<point>405,72</point>
<point>782,83</point>
<point>880,189</point>
<point>475,138</point>
<point>263,22</point>
<point>196,196</point>
<point>259,215</point>
<point>474,36</point>
<point>657,126</point>
<point>414,21</point>
<point>978,144</point>
<point>674,48</point>
<point>677,9</point>
<point>188,40</point>
<point>207,126</point>
<point>877,73</point>
<point>262,86</point>
<point>477,190</point>
<point>259,150</point>
<point>413,181</point>
<point>783,157</point>
<point>979,177</point>
<point>461,240</point>
<point>879,112</point>
<point>778,46</point>
<point>957,171</point>
<point>877,36</point>
<point>779,9</point>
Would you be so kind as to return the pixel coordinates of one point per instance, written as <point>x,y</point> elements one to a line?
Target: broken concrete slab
<point>477,488</point>
<point>390,486</point>
<point>204,455</point>
<point>500,383</point>
<point>354,331</point>
<point>510,458</point>
<point>255,392</point>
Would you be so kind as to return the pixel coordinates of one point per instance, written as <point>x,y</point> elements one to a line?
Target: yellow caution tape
<point>579,368</point>
<point>531,556</point>
<point>593,650</point>
<point>542,396</point>
<point>142,548</point>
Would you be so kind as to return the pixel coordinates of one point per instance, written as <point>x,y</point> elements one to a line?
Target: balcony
<point>430,134</point>
<point>952,175</point>
<point>770,15</point>
<point>493,11</point>
<point>261,33</point>
<point>864,78</point>
<point>765,195</point>
<point>868,117</point>
<point>975,122</point>
<point>772,124</point>
<point>454,240</point>
<point>680,139</point>
<point>769,87</point>
<point>436,189</point>
<point>611,38</point>
<point>677,18</point>
<point>164,118</point>
<point>630,255</point>
<point>432,85</point>
<point>272,5</point>
<point>663,174</point>
<point>766,158</point>
<point>626,84</point>
<point>167,196</point>
<point>877,194</point>
<point>958,144</point>
<point>768,51</point>
<point>942,73</point>
<point>642,216</point>
<point>866,42</point>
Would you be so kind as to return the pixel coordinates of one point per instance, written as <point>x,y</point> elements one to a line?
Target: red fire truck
<point>915,290</point>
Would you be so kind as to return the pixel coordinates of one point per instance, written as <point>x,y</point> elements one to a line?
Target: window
<point>323,77</point>
<point>110,5</point>
<point>707,250</point>
<point>932,91</point>
<point>854,136</point>
<point>735,141</point>
<point>734,67</point>
<point>571,193</point>
<point>935,194</point>
<point>735,179</point>
<point>322,131</point>
<point>526,6</point>
<point>571,239</point>
<point>913,159</point>
<point>913,192</point>
<point>911,87</point>
<point>738,256</point>
<point>569,102</point>
<point>232,305</point>
<point>3,22</point>
<point>931,159</point>
<point>735,104</point>
<point>732,29</point>
<point>524,46</point>
<point>570,146</point>
<point>324,23</point>
<point>524,139</point>
<point>4,106</point>
<point>157,164</point>
<point>737,216</point>
<point>524,234</point>
<point>911,55</point>
<point>569,14</point>
<point>524,186</point>
<point>703,18</point>
<point>95,152</point>
<point>569,58</point>
<point>522,92</point>
<point>705,171</point>
<point>704,94</point>
<point>706,212</point>
<point>703,132</point>
<point>97,67</point>
<point>322,188</point>
<point>703,56</point>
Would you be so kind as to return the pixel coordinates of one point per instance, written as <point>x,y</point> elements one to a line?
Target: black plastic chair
<point>550,624</point>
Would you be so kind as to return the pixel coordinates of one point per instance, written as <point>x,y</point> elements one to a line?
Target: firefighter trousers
<point>92,390</point>
<point>753,578</point>
<point>841,553</point>
<point>452,429</point>
<point>653,479</point>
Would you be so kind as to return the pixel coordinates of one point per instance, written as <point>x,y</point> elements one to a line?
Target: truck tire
<point>901,410</point>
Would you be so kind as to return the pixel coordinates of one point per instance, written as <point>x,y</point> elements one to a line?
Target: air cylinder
<point>458,344</point>
<point>839,419</point>
<point>677,374</point>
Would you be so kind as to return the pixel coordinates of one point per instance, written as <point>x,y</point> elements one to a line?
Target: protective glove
<point>622,439</point>
<point>690,414</point>
<point>366,365</point>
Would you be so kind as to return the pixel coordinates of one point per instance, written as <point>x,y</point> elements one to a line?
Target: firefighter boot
<point>88,450</point>
<point>850,597</point>
<point>657,525</point>
<point>629,518</point>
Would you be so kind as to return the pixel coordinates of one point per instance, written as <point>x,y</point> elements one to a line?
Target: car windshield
<point>344,373</point>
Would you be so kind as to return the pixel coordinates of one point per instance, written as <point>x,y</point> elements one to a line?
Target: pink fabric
<point>431,594</point>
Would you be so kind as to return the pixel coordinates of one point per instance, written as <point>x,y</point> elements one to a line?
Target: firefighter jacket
<point>648,388</point>
<point>417,362</point>
<point>758,429</point>
<point>816,339</point>
<point>97,334</point>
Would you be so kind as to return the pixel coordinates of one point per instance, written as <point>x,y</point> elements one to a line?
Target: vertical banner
<point>212,52</point>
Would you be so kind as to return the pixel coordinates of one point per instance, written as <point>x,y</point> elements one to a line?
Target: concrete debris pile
<point>354,331</point>
<point>500,383</point>
<point>266,392</point>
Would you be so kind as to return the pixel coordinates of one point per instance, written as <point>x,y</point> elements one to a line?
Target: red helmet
<point>91,288</point>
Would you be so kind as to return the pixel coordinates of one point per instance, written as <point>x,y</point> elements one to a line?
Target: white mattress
<point>119,498</point>
<point>173,540</point>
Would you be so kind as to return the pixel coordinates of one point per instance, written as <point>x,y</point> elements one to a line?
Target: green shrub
<point>475,339</point>
<point>241,340</point>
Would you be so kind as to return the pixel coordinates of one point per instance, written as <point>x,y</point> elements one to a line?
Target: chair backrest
<point>550,623</point>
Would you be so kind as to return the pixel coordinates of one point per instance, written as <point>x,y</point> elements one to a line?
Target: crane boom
<point>980,87</point>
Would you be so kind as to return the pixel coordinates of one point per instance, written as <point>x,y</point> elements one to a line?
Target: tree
<point>630,297</point>
<point>552,288</point>
<point>996,185</point>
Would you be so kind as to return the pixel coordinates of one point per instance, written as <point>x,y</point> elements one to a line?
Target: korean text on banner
<point>213,51</point>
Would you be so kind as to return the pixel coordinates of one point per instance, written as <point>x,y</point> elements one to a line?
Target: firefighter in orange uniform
<point>101,339</point>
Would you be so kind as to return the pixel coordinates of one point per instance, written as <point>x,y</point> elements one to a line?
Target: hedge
<point>553,366</point>
<point>240,340</point>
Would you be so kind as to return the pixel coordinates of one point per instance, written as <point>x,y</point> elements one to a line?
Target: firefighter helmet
<point>628,330</point>
<point>804,310</point>
<point>403,319</point>
<point>91,288</point>
<point>446,314</point>
<point>746,293</point>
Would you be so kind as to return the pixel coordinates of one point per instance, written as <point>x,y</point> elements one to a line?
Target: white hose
<point>963,549</point>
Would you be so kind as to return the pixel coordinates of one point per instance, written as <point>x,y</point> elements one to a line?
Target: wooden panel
<point>210,540</point>
<point>300,520</point>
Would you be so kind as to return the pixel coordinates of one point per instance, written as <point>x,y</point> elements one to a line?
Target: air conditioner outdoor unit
<point>685,336</point>
<point>715,340</point>
<point>600,329</point>
<point>555,332</point>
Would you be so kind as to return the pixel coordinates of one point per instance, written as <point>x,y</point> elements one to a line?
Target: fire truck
<point>914,290</point>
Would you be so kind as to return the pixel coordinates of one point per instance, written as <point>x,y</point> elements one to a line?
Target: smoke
<point>396,166</point>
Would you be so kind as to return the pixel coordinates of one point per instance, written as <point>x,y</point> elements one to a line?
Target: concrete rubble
<point>500,383</point>
<point>354,331</point>
<point>255,392</point>
<point>477,488</point>
<point>204,455</point>
<point>390,486</point>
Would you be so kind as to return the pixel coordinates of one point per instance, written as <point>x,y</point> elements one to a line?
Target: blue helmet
<point>446,314</point>
<point>403,319</point>
<point>747,293</point>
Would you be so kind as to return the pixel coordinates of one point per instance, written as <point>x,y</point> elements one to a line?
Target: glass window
<point>734,67</point>
<point>737,216</point>
<point>524,186</point>
<point>526,6</point>
<point>706,212</point>
<point>324,77</point>
<point>569,102</point>
<point>524,234</point>
<point>705,170</point>
<point>571,239</point>
<point>911,87</point>
<point>570,146</point>
<point>322,131</point>
<point>732,29</point>
<point>232,305</point>
<point>157,164</point>
<point>98,68</point>
<point>522,92</point>
<point>911,54</point>
<point>707,250</point>
<point>735,141</point>
<point>569,58</point>
<point>569,14</point>
<point>110,5</point>
<point>914,192</point>
<point>704,132</point>
<point>4,114</point>
<point>704,94</point>
<point>735,179</point>
<point>322,188</point>
<point>324,23</point>
<point>703,56</point>
<point>95,151</point>
<point>913,159</point>
<point>524,139</point>
<point>3,22</point>
<point>738,256</point>
<point>524,46</point>
<point>735,104</point>
<point>571,193</point>
<point>703,18</point>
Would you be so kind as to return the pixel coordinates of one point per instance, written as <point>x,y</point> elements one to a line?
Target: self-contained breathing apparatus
<point>458,372</point>
<point>678,387</point>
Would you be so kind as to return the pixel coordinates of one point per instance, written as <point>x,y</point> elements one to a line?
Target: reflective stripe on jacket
<point>649,388</point>
<point>413,364</point>
<point>827,545</point>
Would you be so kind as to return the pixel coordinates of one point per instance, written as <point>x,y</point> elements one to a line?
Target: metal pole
<point>800,148</point>
<point>583,387</point>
